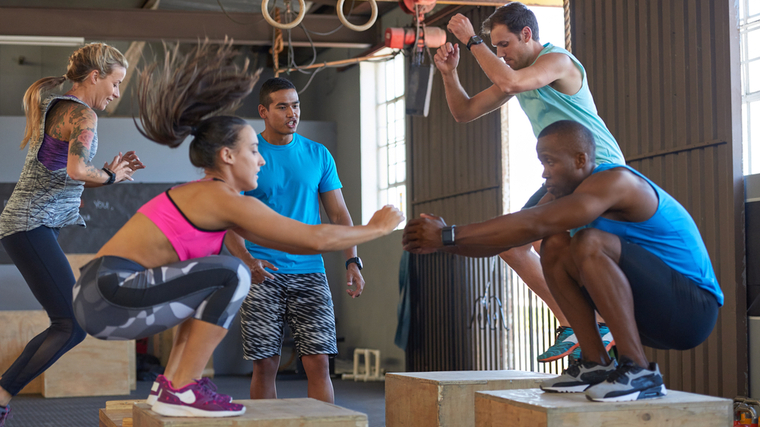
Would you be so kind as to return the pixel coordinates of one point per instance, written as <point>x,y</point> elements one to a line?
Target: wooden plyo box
<point>447,398</point>
<point>534,408</point>
<point>117,413</point>
<point>92,368</point>
<point>262,413</point>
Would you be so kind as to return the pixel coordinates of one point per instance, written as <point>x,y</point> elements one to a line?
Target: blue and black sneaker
<point>578,377</point>
<point>629,382</point>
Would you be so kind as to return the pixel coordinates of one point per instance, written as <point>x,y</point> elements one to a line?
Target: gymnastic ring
<point>351,26</point>
<point>289,25</point>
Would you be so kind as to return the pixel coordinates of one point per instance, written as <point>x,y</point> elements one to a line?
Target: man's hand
<point>354,278</point>
<point>447,58</point>
<point>423,235</point>
<point>461,27</point>
<point>258,270</point>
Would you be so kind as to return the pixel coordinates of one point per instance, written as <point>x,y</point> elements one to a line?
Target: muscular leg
<point>596,255</point>
<point>527,265</point>
<point>317,367</point>
<point>263,380</point>
<point>201,339</point>
<point>561,276</point>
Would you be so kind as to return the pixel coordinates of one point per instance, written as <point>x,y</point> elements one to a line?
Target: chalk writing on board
<point>99,204</point>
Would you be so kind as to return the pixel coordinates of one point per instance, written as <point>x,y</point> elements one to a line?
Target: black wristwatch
<point>356,260</point>
<point>111,176</point>
<point>473,41</point>
<point>447,236</point>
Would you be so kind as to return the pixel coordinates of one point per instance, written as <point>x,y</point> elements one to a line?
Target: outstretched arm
<point>589,201</point>
<point>259,224</point>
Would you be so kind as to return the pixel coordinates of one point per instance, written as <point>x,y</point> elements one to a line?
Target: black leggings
<point>46,270</point>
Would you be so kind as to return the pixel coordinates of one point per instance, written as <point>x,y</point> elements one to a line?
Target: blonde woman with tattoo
<point>61,136</point>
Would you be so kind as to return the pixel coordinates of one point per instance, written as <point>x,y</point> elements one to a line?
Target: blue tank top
<point>546,105</point>
<point>670,234</point>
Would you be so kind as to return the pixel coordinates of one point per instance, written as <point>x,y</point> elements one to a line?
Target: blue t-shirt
<point>670,234</point>
<point>290,183</point>
<point>546,105</point>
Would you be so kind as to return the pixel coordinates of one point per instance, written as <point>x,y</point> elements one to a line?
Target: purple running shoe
<point>197,399</point>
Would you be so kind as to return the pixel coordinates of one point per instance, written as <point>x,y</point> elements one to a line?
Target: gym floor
<point>37,411</point>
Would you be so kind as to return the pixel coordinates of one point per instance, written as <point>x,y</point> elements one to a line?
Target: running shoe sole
<point>651,393</point>
<point>169,410</point>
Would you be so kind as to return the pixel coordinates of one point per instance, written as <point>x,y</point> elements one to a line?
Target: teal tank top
<point>546,105</point>
<point>670,234</point>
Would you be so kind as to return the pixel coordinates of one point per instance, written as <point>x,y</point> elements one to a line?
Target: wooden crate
<point>93,368</point>
<point>262,413</point>
<point>118,413</point>
<point>426,399</point>
<point>534,408</point>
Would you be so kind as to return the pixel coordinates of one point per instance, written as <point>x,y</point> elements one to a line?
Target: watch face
<point>357,261</point>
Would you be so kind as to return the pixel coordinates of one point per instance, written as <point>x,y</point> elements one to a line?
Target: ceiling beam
<point>173,25</point>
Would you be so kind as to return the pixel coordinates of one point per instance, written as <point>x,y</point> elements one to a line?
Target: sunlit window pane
<point>753,44</point>
<point>754,76</point>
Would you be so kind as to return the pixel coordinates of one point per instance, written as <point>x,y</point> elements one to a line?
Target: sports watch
<point>356,260</point>
<point>473,41</point>
<point>447,236</point>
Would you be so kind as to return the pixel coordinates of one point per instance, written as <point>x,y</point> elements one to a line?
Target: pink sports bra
<point>188,240</point>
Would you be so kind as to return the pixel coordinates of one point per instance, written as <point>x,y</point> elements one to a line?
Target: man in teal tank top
<point>551,85</point>
<point>636,256</point>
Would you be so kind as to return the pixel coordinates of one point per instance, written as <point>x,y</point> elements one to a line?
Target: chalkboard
<point>105,210</point>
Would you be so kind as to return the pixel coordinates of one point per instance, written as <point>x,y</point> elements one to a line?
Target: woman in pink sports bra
<point>160,269</point>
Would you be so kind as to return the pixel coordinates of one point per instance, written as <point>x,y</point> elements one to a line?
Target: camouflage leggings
<point>118,299</point>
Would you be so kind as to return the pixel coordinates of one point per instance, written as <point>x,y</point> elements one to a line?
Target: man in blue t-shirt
<point>634,255</point>
<point>298,174</point>
<point>551,85</point>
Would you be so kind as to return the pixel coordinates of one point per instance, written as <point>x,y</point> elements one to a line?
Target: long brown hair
<point>187,93</point>
<point>93,56</point>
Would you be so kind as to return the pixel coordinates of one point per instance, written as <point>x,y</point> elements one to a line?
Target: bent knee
<point>555,245</point>
<point>591,242</point>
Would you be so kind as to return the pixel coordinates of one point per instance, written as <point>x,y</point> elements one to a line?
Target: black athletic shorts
<point>671,311</point>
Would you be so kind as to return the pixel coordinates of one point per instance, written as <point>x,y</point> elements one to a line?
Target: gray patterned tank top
<point>41,196</point>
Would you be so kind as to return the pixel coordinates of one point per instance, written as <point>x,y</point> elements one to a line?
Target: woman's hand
<point>124,166</point>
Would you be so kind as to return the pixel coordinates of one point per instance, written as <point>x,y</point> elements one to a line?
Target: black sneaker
<point>578,377</point>
<point>629,382</point>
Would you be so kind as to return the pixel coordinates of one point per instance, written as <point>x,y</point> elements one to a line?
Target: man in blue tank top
<point>634,255</point>
<point>298,174</point>
<point>551,85</point>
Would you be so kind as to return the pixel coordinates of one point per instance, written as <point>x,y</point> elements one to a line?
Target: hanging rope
<point>277,44</point>
<point>568,42</point>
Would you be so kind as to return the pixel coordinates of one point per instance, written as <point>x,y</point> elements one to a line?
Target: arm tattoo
<point>82,132</point>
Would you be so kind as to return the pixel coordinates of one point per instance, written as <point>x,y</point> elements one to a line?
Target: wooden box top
<point>467,377</point>
<point>538,400</point>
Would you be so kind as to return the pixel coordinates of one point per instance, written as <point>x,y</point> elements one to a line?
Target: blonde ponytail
<point>32,107</point>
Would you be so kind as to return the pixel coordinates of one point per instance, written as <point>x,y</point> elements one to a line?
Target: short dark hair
<point>579,137</point>
<point>515,16</point>
<point>270,86</point>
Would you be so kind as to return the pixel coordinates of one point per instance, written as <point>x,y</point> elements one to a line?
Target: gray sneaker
<point>578,377</point>
<point>629,382</point>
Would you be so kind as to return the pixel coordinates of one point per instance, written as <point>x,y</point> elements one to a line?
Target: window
<point>383,135</point>
<point>749,29</point>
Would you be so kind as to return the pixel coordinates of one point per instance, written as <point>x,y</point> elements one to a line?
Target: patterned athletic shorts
<point>304,301</point>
